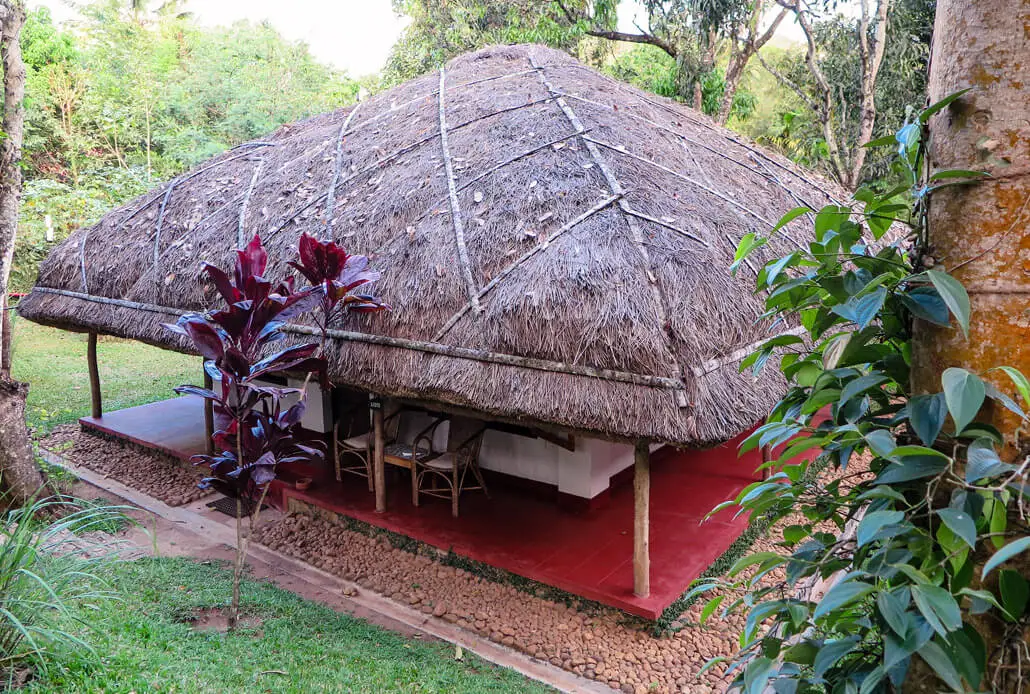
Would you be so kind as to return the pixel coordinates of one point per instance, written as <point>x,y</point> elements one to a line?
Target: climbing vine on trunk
<point>919,544</point>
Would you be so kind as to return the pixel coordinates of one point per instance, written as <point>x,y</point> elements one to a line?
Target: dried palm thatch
<point>555,245</point>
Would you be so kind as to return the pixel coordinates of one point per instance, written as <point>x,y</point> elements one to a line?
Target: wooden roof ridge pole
<point>456,222</point>
<point>642,519</point>
<point>636,235</point>
<point>96,405</point>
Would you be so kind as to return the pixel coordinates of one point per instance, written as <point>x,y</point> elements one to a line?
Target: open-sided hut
<point>555,245</point>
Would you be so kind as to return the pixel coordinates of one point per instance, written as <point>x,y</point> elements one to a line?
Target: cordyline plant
<point>255,430</point>
<point>917,548</point>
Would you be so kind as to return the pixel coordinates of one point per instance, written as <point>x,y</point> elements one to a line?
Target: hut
<point>555,245</point>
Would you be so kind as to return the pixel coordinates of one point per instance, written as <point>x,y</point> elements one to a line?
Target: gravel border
<point>158,475</point>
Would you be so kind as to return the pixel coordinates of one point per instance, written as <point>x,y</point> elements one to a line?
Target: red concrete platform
<point>588,553</point>
<point>174,426</point>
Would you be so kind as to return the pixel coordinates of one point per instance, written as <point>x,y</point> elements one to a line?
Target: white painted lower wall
<point>585,472</point>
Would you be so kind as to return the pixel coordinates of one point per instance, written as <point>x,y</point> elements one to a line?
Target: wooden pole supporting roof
<point>642,519</point>
<point>97,409</point>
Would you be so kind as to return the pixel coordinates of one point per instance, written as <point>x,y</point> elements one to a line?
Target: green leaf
<point>954,295</point>
<point>999,522</point>
<point>841,594</point>
<point>862,310</point>
<point>861,385</point>
<point>1014,592</point>
<point>1008,403</point>
<point>873,522</point>
<point>929,111</point>
<point>1005,553</point>
<point>751,560</point>
<point>960,523</point>
<point>941,664</point>
<point>902,452</point>
<point>881,141</point>
<point>964,393</point>
<point>927,304</point>
<point>957,173</point>
<point>748,243</point>
<point>830,218</point>
<point>710,607</point>
<point>881,441</point>
<point>831,653</point>
<point>790,217</point>
<point>893,612</point>
<point>927,413</point>
<point>757,674</point>
<point>938,607</point>
<point>982,461</point>
<point>911,468</point>
<point>1021,381</point>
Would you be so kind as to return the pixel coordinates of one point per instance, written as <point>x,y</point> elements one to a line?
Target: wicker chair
<point>354,440</point>
<point>443,474</point>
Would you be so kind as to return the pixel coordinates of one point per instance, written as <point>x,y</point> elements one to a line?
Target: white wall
<point>584,472</point>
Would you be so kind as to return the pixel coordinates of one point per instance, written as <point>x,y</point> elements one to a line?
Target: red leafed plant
<point>255,430</point>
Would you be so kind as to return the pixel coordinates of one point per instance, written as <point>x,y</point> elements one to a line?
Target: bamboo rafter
<point>399,153</point>
<point>452,321</point>
<point>722,132</point>
<point>330,196</point>
<point>456,221</point>
<point>661,304</point>
<point>164,198</point>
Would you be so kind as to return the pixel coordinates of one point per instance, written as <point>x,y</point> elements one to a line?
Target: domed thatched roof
<point>555,245</point>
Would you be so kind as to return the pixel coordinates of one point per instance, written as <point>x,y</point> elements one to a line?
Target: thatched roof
<point>555,245</point>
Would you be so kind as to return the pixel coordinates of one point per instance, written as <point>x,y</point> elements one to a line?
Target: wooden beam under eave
<point>641,519</point>
<point>97,408</point>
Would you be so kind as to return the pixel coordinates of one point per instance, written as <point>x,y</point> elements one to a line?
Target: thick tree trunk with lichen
<point>19,476</point>
<point>981,233</point>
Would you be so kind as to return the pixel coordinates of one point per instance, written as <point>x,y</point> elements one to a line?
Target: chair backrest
<point>461,430</point>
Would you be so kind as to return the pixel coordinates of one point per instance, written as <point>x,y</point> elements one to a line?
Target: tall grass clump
<point>41,579</point>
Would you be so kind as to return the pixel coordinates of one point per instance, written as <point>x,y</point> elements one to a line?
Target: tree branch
<point>613,35</point>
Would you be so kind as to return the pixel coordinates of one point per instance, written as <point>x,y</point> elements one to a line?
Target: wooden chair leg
<point>479,477</point>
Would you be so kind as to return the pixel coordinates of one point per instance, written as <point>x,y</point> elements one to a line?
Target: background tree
<point>19,476</point>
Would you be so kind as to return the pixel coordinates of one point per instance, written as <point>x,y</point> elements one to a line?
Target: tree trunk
<point>20,478</point>
<point>981,233</point>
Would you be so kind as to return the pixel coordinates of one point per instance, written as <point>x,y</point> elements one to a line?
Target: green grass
<point>145,645</point>
<point>53,362</point>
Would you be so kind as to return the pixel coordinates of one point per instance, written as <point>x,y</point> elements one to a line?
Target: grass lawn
<point>144,644</point>
<point>53,362</point>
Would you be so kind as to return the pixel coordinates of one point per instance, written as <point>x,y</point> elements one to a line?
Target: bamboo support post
<point>94,377</point>
<point>209,416</point>
<point>641,520</point>
<point>379,463</point>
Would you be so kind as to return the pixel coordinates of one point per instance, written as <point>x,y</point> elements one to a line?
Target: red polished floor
<point>174,426</point>
<point>588,553</point>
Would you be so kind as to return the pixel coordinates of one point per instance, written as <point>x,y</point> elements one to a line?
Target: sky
<point>352,35</point>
